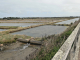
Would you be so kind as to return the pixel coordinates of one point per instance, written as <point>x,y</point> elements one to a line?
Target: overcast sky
<point>39,8</point>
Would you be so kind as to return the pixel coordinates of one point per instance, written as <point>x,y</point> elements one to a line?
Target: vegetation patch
<point>8,27</point>
<point>53,43</point>
<point>4,39</point>
<point>62,24</point>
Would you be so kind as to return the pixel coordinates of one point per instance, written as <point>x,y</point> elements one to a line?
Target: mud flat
<point>42,31</point>
<point>17,53</point>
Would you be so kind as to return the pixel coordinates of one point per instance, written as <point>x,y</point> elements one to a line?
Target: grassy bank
<point>23,28</point>
<point>61,24</point>
<point>8,27</point>
<point>53,43</point>
<point>35,20</point>
<point>5,37</point>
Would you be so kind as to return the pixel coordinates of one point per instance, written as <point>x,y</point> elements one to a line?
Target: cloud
<point>72,6</point>
<point>39,7</point>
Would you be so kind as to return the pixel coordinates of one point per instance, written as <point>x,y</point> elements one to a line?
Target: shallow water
<point>19,24</point>
<point>19,48</point>
<point>2,29</point>
<point>42,31</point>
<point>68,21</point>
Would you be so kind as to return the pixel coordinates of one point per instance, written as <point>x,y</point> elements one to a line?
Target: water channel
<point>68,21</point>
<point>42,31</point>
<point>19,24</point>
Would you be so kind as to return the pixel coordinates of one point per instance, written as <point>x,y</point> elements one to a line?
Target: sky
<point>39,8</point>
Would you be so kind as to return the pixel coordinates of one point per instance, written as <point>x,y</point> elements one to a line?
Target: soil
<point>14,52</point>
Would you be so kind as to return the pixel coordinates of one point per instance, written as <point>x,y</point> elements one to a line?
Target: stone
<point>1,45</point>
<point>27,40</point>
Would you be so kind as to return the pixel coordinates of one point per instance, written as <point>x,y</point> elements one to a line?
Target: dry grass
<point>36,20</point>
<point>10,38</point>
<point>5,37</point>
<point>8,27</point>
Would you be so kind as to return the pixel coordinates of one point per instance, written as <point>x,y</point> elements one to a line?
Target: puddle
<point>19,48</point>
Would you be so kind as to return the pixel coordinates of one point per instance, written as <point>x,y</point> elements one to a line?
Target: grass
<point>57,42</point>
<point>49,55</point>
<point>4,39</point>
<point>8,27</point>
<point>62,24</point>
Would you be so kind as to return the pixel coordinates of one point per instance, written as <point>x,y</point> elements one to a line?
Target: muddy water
<point>18,48</point>
<point>68,21</point>
<point>42,31</point>
<point>19,24</point>
<point>17,51</point>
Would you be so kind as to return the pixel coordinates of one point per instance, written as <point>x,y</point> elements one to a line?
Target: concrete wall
<point>69,49</point>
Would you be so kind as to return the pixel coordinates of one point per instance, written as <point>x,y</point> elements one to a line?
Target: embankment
<point>51,45</point>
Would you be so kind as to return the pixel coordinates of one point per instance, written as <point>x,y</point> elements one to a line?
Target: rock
<point>27,40</point>
<point>1,45</point>
<point>23,40</point>
<point>35,42</point>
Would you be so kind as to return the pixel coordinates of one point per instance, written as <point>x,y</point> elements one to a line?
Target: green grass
<point>58,42</point>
